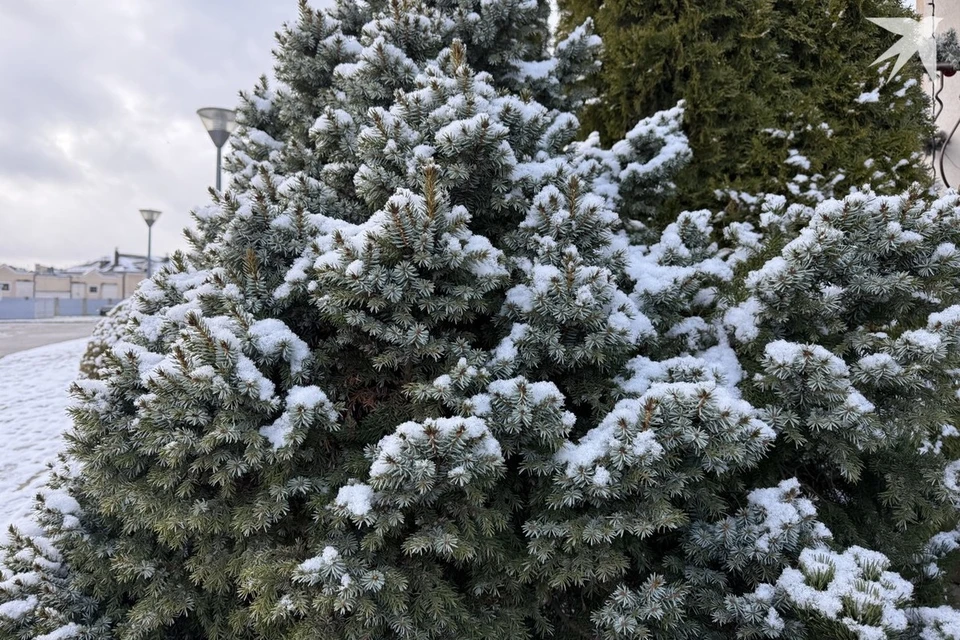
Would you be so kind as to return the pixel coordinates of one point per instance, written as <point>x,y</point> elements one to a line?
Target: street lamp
<point>219,124</point>
<point>149,216</point>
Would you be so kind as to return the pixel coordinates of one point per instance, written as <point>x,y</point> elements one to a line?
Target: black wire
<point>936,114</point>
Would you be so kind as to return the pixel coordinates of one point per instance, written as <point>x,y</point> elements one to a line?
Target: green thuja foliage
<point>781,95</point>
<point>417,377</point>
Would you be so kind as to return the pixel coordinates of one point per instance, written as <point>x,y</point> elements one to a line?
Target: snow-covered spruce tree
<point>852,360</point>
<point>413,381</point>
<point>243,247</point>
<point>107,333</point>
<point>848,335</point>
<point>254,144</point>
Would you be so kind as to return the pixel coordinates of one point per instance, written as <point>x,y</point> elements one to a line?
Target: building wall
<point>130,282</point>
<point>87,284</point>
<point>98,286</point>
<point>92,285</point>
<point>949,10</point>
<point>112,286</point>
<point>9,279</point>
<point>51,286</point>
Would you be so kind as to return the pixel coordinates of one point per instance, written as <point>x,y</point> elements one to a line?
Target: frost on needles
<point>427,372</point>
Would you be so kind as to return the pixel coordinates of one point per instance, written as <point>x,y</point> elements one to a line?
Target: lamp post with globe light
<point>149,216</point>
<point>219,123</point>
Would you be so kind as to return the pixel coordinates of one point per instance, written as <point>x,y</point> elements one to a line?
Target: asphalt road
<point>20,335</point>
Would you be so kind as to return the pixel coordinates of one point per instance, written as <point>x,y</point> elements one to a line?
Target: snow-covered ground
<point>33,400</point>
<point>20,335</point>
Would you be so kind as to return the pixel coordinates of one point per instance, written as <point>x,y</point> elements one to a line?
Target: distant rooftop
<point>13,268</point>
<point>119,263</point>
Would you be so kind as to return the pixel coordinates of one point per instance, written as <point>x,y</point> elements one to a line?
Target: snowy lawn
<point>33,400</point>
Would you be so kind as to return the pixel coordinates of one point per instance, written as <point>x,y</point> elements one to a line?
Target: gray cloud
<point>99,117</point>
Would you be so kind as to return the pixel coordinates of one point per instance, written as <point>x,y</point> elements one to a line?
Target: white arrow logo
<point>918,37</point>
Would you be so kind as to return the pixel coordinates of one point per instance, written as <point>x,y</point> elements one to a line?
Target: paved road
<point>20,335</point>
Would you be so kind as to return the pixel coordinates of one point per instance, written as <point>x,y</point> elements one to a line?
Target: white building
<point>104,279</point>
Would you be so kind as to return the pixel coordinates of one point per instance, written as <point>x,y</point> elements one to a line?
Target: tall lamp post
<point>149,216</point>
<point>219,123</point>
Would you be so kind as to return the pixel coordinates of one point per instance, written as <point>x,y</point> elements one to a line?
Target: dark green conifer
<point>781,95</point>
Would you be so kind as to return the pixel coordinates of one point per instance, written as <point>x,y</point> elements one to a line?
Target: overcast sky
<point>98,116</point>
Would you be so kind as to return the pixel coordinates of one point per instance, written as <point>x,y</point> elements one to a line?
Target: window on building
<point>4,286</point>
<point>93,289</point>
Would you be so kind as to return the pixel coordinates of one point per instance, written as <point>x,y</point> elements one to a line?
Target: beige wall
<point>51,286</point>
<point>949,10</point>
<point>8,279</point>
<point>92,285</point>
<point>130,282</point>
<point>107,285</point>
<point>113,286</point>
